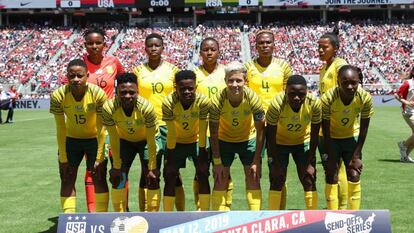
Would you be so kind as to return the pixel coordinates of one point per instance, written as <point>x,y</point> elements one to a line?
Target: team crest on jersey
<point>295,118</point>
<point>128,123</point>
<point>140,122</point>
<point>109,70</point>
<point>246,112</point>
<point>329,76</point>
<point>79,108</point>
<point>91,107</point>
<point>194,114</point>
<point>345,111</point>
<point>357,110</point>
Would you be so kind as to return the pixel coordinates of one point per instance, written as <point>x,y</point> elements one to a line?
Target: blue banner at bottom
<point>363,221</point>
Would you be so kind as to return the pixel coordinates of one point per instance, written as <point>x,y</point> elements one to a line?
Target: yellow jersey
<point>186,122</point>
<point>268,81</point>
<point>328,76</point>
<point>293,128</point>
<point>209,84</point>
<point>80,115</point>
<point>155,85</point>
<point>236,123</point>
<point>344,119</point>
<point>131,128</point>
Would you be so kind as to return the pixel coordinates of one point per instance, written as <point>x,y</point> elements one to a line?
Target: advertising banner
<point>33,104</point>
<point>9,4</point>
<point>95,3</point>
<point>320,221</point>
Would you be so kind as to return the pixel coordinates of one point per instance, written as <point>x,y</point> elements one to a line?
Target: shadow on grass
<point>390,160</point>
<point>53,228</point>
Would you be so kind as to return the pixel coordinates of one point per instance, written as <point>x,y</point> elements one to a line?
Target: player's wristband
<point>216,160</point>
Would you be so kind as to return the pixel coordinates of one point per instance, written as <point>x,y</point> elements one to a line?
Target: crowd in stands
<point>37,55</point>
<point>228,38</point>
<point>178,46</point>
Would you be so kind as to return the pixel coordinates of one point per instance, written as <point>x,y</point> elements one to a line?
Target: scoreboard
<point>95,3</point>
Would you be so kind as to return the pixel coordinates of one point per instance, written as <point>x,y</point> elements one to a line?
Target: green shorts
<point>299,154</point>
<point>184,151</point>
<point>245,150</point>
<point>76,149</point>
<point>344,148</point>
<point>128,151</point>
<point>161,145</point>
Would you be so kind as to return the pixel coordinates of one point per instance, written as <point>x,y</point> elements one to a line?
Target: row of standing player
<point>266,76</point>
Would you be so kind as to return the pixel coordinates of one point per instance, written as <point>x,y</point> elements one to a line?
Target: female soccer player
<point>210,80</point>
<point>102,72</point>
<point>293,122</point>
<point>132,126</point>
<point>346,112</point>
<point>156,81</point>
<point>267,76</point>
<point>405,95</point>
<point>77,107</point>
<point>328,49</point>
<point>185,113</point>
<point>236,126</point>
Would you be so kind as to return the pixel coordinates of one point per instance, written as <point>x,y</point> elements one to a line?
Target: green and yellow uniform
<point>130,135</point>
<point>268,81</point>
<point>187,129</point>
<point>155,85</point>
<point>236,125</point>
<point>292,137</point>
<point>328,78</point>
<point>236,134</point>
<point>344,128</point>
<point>79,132</point>
<point>210,84</point>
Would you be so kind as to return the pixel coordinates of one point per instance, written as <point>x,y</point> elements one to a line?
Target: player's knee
<point>331,177</point>
<point>353,175</point>
<point>277,181</point>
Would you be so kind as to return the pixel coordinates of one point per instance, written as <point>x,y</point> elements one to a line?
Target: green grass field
<point>29,190</point>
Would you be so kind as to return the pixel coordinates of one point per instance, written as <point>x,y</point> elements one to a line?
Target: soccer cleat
<point>403,151</point>
<point>407,159</point>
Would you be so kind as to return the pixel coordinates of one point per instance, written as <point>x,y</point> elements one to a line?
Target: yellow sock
<point>101,202</point>
<point>219,200</point>
<point>254,199</point>
<point>203,202</point>
<point>229,194</point>
<point>168,202</point>
<point>68,204</point>
<point>179,198</point>
<point>331,195</point>
<point>195,191</point>
<point>342,187</point>
<point>142,199</point>
<point>118,199</point>
<point>354,195</point>
<point>153,199</point>
<point>283,197</point>
<point>311,200</point>
<point>274,199</point>
<point>315,199</point>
